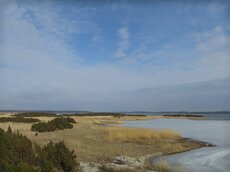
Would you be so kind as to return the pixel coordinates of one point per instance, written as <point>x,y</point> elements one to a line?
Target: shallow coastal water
<point>208,159</point>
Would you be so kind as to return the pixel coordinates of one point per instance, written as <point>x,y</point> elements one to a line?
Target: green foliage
<point>1,132</point>
<point>35,114</point>
<point>59,156</point>
<point>9,130</point>
<point>70,120</point>
<point>18,154</point>
<point>20,167</point>
<point>55,124</point>
<point>19,119</point>
<point>41,127</point>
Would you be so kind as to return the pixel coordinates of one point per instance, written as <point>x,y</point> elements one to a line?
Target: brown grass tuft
<point>135,134</point>
<point>104,122</point>
<point>169,147</point>
<point>161,166</point>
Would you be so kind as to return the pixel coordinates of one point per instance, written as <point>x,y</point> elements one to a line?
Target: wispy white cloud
<point>123,43</point>
<point>207,57</point>
<point>40,70</point>
<point>213,48</point>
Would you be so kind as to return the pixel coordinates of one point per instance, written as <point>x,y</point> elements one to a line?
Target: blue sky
<point>115,55</point>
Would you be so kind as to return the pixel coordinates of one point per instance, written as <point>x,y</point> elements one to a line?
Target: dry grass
<point>104,122</point>
<point>5,114</point>
<point>105,168</point>
<point>23,128</point>
<point>163,166</point>
<point>43,118</point>
<point>136,134</point>
<point>15,126</point>
<point>173,147</point>
<point>96,143</point>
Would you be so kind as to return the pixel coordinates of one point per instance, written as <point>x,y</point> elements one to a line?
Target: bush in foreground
<point>18,155</point>
<point>57,155</point>
<point>16,151</point>
<point>55,124</point>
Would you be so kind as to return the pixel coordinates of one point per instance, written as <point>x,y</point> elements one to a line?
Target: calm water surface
<point>211,159</point>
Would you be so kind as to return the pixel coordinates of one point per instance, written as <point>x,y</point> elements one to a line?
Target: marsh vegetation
<point>93,142</point>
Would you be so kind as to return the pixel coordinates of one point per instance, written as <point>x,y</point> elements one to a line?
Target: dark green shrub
<point>1,132</point>
<point>61,123</point>
<point>18,154</point>
<point>70,120</point>
<point>40,127</point>
<point>55,124</point>
<point>59,156</point>
<point>20,167</point>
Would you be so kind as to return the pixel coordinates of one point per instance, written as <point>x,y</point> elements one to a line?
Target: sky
<point>115,55</point>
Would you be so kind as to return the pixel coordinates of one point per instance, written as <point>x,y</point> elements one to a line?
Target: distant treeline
<point>132,112</point>
<point>49,114</point>
<point>35,114</point>
<point>19,119</point>
<point>19,154</point>
<point>183,115</point>
<point>102,114</point>
<point>184,112</point>
<point>213,112</point>
<point>53,125</point>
